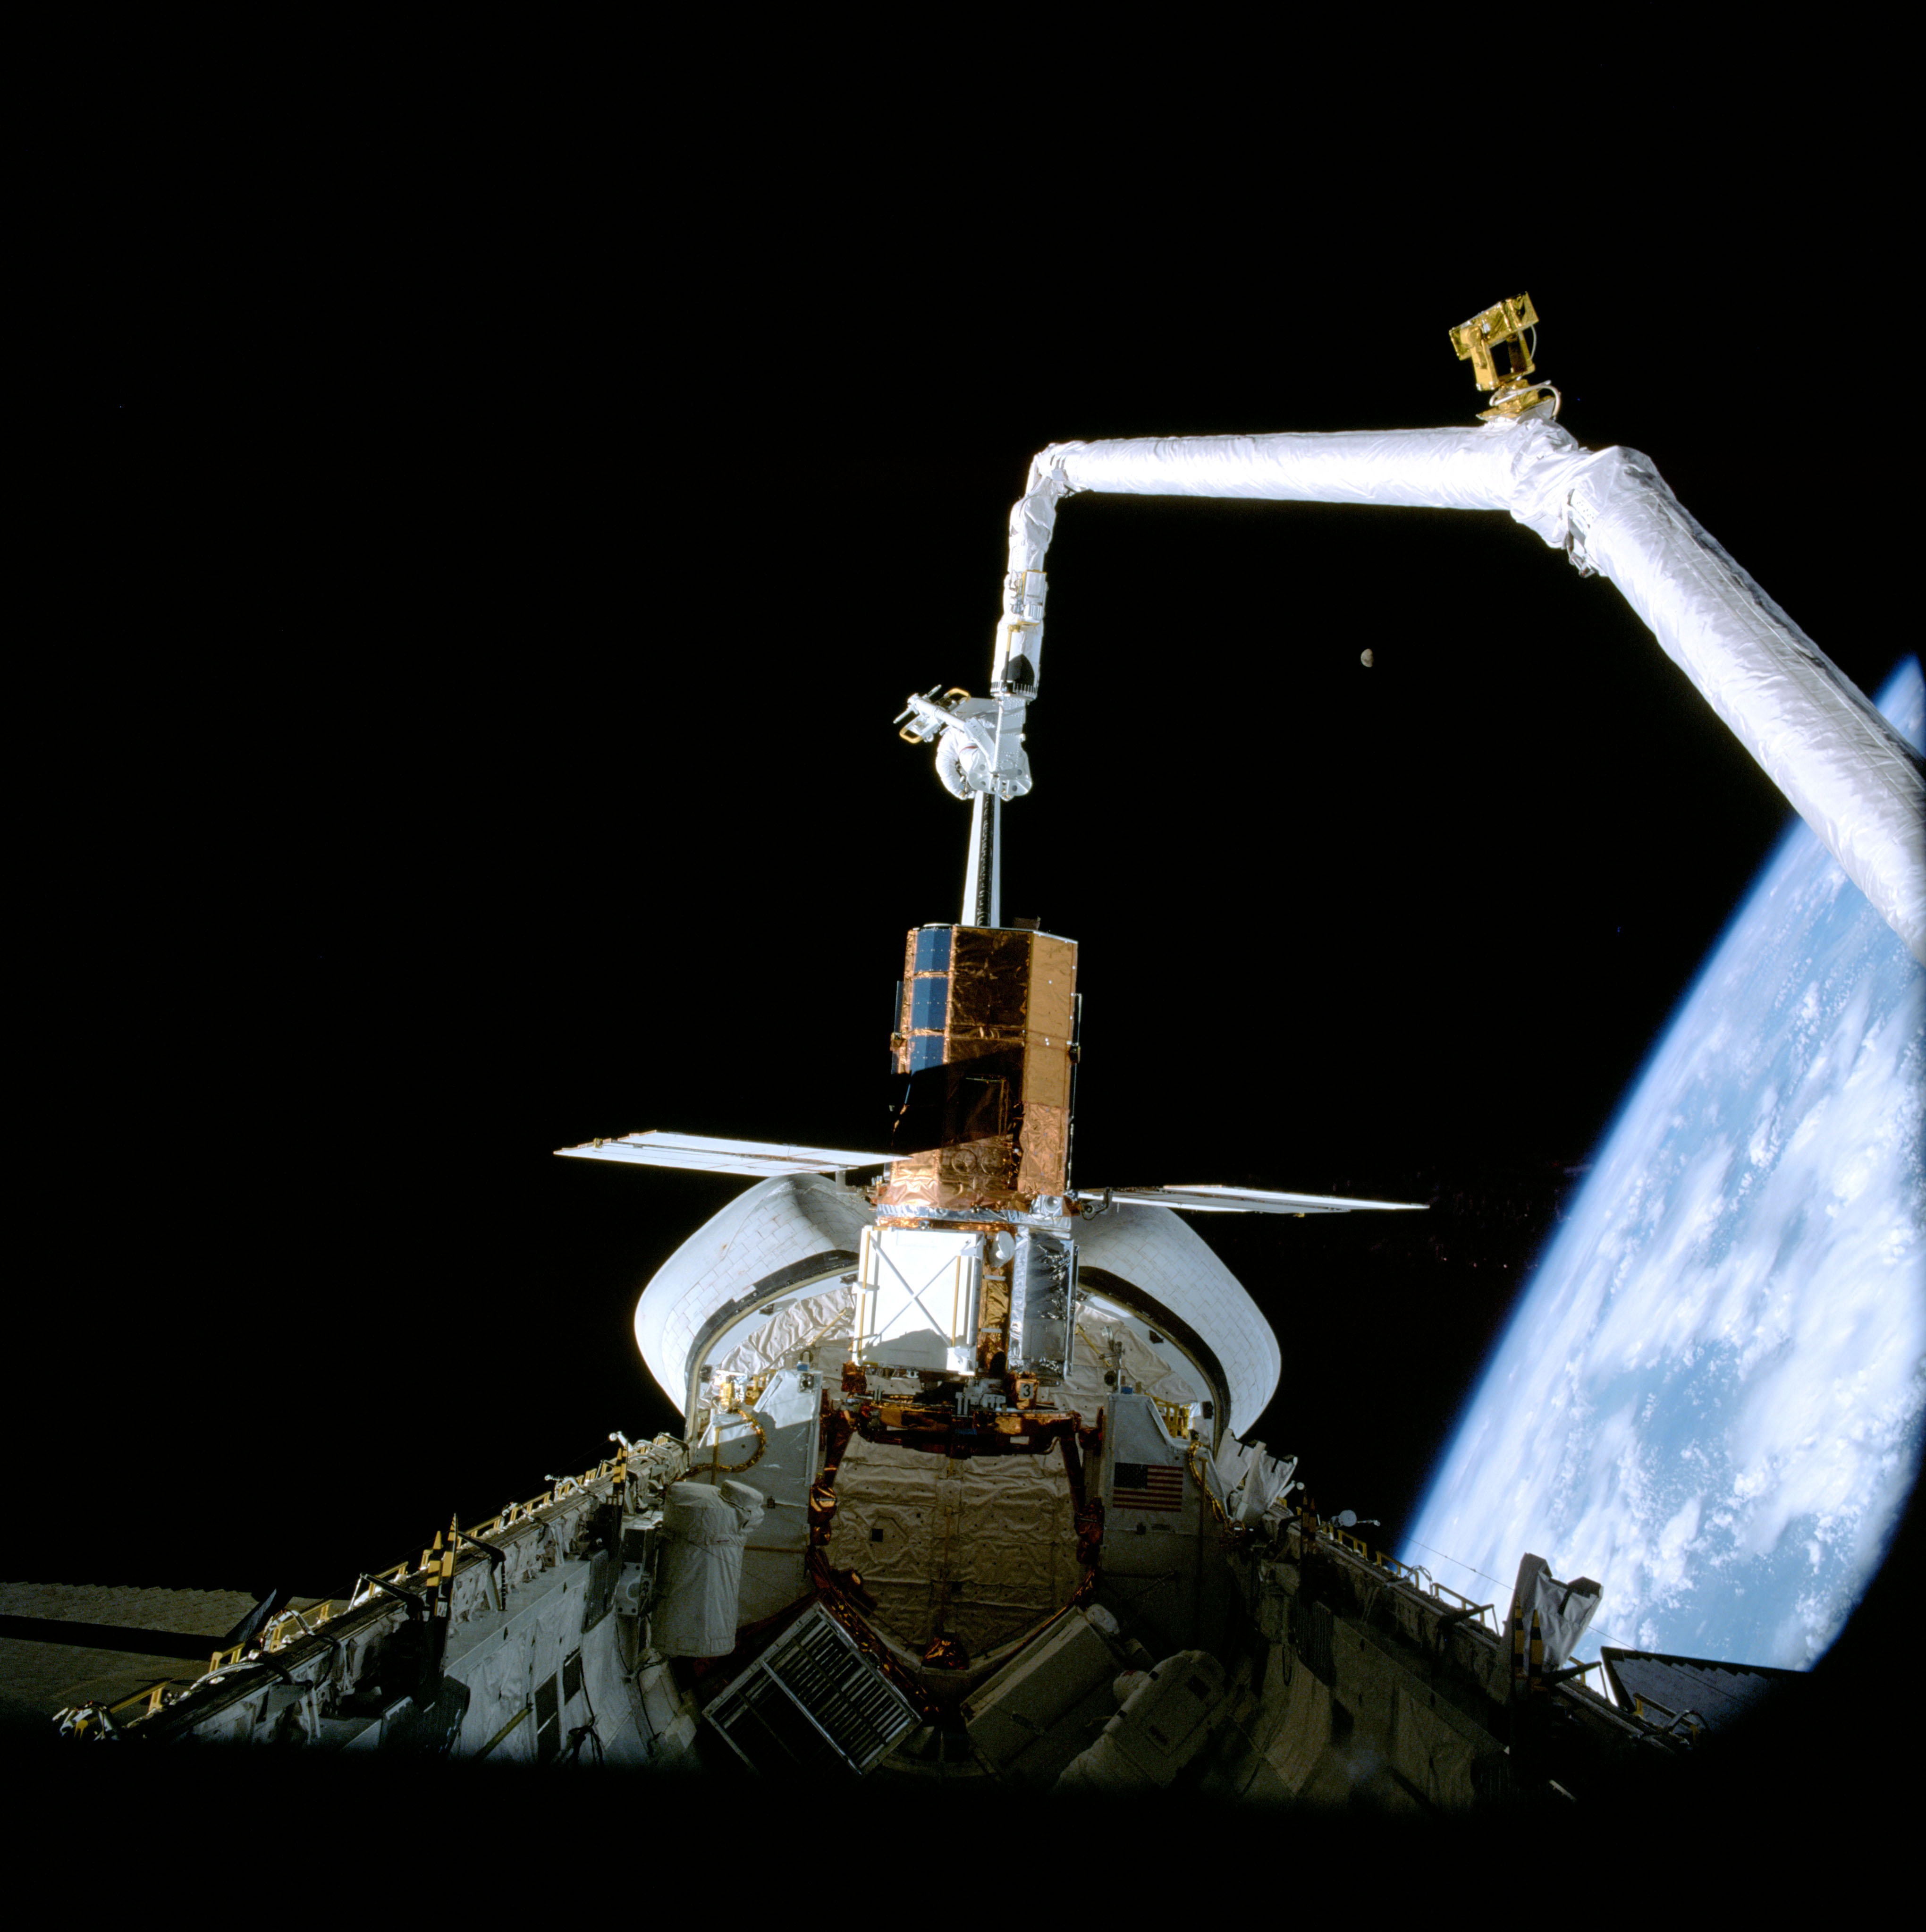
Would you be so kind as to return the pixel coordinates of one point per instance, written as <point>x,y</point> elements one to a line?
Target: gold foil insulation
<point>1011,1000</point>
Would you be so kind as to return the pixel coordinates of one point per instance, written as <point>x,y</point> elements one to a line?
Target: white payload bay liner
<point>774,1226</point>
<point>1847,773</point>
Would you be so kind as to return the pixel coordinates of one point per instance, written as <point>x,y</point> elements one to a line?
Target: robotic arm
<point>1846,771</point>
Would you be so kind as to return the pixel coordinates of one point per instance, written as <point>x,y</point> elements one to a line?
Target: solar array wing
<point>1206,1198</point>
<point>660,1148</point>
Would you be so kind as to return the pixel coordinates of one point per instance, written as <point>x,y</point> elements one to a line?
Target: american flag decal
<point>1150,1486</point>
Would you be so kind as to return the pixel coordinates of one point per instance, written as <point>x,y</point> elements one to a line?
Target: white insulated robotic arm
<point>1847,771</point>
<point>980,748</point>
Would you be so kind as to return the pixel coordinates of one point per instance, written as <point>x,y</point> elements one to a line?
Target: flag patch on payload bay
<point>1157,1485</point>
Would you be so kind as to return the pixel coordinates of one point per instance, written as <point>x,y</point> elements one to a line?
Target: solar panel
<point>704,1153</point>
<point>1208,1199</point>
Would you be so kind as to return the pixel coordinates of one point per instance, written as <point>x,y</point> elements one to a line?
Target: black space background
<point>472,734</point>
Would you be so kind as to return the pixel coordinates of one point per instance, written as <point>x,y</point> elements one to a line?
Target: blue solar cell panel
<point>933,949</point>
<point>929,1002</point>
<point>925,1050</point>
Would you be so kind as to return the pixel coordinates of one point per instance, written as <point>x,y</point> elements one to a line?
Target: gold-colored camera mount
<point>1503,325</point>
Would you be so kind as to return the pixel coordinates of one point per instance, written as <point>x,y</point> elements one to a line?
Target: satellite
<point>967,1281</point>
